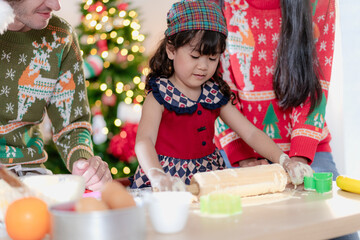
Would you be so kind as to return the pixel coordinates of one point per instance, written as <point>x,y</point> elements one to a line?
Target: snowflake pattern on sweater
<point>42,73</point>
<point>248,67</point>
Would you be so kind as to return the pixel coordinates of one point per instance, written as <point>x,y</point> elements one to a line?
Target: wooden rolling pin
<point>245,182</point>
<point>13,181</point>
<point>10,177</point>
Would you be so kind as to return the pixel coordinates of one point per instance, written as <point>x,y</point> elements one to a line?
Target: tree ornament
<point>129,112</point>
<point>122,145</point>
<point>102,45</point>
<point>93,66</point>
<point>122,6</point>
<point>120,58</point>
<point>98,125</point>
<point>108,100</point>
<point>98,7</point>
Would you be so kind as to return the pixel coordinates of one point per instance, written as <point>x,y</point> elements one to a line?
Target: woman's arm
<point>263,144</point>
<point>254,137</point>
<point>235,148</point>
<point>310,130</point>
<point>251,162</point>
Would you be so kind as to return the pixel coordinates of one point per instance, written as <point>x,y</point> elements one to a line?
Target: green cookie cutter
<point>221,204</point>
<point>320,182</point>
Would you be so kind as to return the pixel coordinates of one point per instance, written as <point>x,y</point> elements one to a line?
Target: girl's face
<point>32,14</point>
<point>190,68</point>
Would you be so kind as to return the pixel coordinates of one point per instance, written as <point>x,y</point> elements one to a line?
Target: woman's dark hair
<point>210,43</point>
<point>297,75</point>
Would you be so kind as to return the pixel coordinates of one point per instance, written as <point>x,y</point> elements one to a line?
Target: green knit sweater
<point>41,72</point>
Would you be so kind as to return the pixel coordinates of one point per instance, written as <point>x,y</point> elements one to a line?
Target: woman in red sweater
<point>279,66</point>
<point>278,63</point>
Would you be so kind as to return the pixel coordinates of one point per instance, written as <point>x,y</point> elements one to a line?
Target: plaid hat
<point>195,15</point>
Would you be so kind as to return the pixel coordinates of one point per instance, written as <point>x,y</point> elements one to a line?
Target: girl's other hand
<point>252,162</point>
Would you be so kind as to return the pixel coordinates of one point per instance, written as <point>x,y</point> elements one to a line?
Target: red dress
<point>185,142</point>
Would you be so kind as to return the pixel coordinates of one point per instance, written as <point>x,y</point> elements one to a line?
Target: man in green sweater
<point>41,72</point>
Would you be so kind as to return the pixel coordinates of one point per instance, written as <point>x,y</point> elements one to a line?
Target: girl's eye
<point>195,57</point>
<point>212,59</point>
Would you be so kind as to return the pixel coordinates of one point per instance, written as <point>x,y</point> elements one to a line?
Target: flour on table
<point>266,198</point>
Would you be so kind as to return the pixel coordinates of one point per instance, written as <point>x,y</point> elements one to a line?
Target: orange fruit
<point>27,219</point>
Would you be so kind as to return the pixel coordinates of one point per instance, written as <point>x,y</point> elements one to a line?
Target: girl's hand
<point>252,162</point>
<point>297,170</point>
<point>160,181</point>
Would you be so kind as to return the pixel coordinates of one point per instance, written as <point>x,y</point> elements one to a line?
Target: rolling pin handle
<point>193,188</point>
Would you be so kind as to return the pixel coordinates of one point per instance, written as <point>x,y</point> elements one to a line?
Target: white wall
<point>343,111</point>
<point>350,32</point>
<point>334,108</point>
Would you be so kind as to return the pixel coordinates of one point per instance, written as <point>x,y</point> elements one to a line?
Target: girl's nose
<point>203,63</point>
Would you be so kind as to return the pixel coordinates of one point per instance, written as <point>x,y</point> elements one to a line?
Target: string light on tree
<point>111,30</point>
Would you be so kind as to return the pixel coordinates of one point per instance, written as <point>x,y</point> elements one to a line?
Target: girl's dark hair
<point>210,43</point>
<point>297,75</point>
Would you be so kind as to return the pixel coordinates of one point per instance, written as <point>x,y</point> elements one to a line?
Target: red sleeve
<point>309,130</point>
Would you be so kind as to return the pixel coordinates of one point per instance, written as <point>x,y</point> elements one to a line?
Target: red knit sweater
<point>249,64</point>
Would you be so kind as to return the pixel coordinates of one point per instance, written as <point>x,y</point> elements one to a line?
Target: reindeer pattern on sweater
<point>41,72</point>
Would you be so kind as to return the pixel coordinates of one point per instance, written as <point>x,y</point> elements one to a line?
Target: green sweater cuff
<point>78,154</point>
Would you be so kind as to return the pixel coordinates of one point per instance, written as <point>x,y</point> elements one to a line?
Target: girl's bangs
<point>211,43</point>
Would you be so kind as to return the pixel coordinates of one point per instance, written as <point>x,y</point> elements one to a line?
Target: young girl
<point>186,95</point>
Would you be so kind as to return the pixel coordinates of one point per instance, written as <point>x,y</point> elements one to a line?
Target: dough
<point>266,198</point>
<point>250,181</point>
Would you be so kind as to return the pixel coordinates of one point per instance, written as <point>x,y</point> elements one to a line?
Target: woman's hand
<point>252,162</point>
<point>94,170</point>
<point>296,167</point>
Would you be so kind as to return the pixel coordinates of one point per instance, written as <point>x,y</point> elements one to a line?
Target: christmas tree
<point>317,117</point>
<point>114,64</point>
<point>270,123</point>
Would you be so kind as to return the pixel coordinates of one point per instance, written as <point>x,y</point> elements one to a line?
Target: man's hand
<point>252,162</point>
<point>94,170</point>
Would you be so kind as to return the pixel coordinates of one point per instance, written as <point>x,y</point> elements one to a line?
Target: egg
<point>90,204</point>
<point>115,195</point>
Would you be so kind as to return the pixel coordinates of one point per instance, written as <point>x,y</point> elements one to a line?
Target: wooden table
<point>306,215</point>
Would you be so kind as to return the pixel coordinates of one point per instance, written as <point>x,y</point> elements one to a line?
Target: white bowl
<point>53,189</point>
<point>56,189</point>
<point>7,195</point>
<point>169,210</point>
